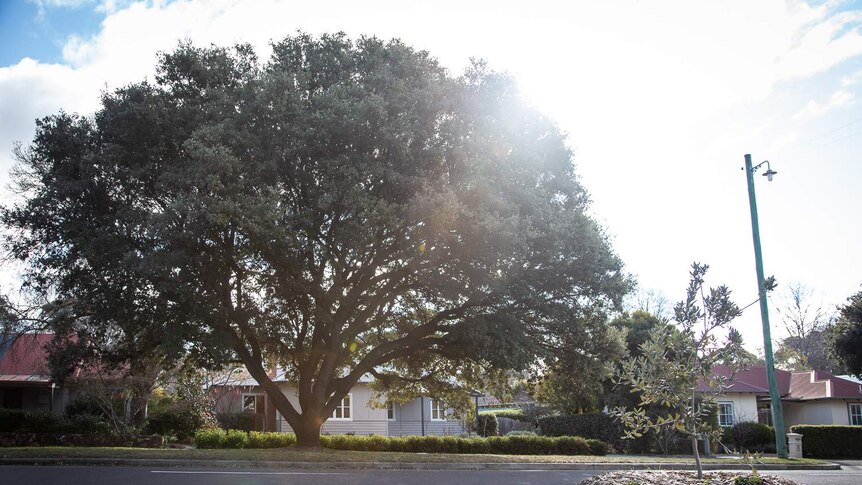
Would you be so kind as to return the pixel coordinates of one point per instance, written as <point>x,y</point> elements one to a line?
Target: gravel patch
<point>672,477</point>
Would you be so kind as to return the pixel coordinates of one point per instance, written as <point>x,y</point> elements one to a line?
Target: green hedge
<point>516,414</point>
<point>749,436</point>
<point>830,441</point>
<point>20,421</point>
<point>502,445</point>
<point>598,426</point>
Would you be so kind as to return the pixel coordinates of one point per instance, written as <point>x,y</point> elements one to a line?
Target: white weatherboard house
<point>809,397</point>
<point>422,416</point>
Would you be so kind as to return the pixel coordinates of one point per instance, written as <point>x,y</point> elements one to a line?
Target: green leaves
<point>676,369</point>
<point>346,207</point>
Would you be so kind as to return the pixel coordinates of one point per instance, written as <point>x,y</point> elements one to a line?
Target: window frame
<point>732,414</point>
<point>390,411</point>
<point>850,414</point>
<point>441,409</point>
<point>256,395</point>
<point>342,407</point>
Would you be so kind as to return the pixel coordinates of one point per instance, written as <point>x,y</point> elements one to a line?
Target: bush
<point>177,418</point>
<point>516,414</point>
<point>258,439</point>
<point>210,438</point>
<point>588,425</point>
<point>241,421</point>
<point>830,441</point>
<point>83,405</point>
<point>572,445</point>
<point>20,421</point>
<point>509,445</point>
<point>377,442</point>
<point>236,439</point>
<point>749,436</point>
<point>486,425</point>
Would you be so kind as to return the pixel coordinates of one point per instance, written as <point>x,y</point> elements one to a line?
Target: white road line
<point>243,473</point>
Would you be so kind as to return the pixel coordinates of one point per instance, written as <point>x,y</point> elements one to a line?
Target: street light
<point>774,396</point>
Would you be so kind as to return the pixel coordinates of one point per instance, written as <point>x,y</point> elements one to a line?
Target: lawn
<point>324,455</point>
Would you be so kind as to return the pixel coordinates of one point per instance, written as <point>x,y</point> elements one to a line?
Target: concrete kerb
<point>305,465</point>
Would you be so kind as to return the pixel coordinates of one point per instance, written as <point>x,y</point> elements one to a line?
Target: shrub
<point>474,446</point>
<point>398,443</point>
<point>597,447</point>
<point>258,439</point>
<point>377,442</point>
<point>83,405</point>
<point>450,444</point>
<point>177,418</point>
<point>210,438</point>
<point>236,439</point>
<point>486,425</point>
<point>20,421</point>
<point>510,445</point>
<point>516,414</point>
<point>749,436</point>
<point>241,421</point>
<point>572,445</point>
<point>588,425</point>
<point>748,480</point>
<point>830,441</point>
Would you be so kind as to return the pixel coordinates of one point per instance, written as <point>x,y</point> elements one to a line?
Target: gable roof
<point>796,386</point>
<point>23,358</point>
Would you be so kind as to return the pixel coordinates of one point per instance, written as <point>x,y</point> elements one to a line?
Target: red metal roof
<point>798,386</point>
<point>25,358</point>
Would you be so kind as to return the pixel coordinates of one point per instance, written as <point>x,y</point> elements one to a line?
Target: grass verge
<point>324,455</point>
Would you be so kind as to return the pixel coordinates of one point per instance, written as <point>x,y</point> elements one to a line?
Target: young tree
<point>343,209</point>
<point>845,337</point>
<point>676,368</point>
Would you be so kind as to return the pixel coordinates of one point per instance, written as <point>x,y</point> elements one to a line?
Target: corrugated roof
<point>797,386</point>
<point>26,356</point>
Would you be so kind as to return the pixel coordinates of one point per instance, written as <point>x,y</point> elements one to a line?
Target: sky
<point>660,101</point>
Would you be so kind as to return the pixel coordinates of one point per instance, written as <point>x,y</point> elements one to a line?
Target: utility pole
<point>775,397</point>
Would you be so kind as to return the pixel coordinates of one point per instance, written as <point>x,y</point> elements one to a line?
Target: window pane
<point>248,403</point>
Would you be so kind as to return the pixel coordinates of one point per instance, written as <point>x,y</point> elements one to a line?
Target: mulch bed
<point>674,477</point>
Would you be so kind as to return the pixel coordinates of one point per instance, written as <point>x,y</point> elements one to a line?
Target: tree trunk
<point>696,456</point>
<point>307,431</point>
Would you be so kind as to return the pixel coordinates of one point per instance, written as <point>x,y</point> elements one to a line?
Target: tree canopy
<point>341,209</point>
<point>845,337</point>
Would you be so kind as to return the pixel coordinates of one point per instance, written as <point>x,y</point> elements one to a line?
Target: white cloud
<point>815,109</point>
<point>852,79</point>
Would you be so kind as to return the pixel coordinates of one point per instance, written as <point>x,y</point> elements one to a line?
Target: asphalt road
<point>80,475</point>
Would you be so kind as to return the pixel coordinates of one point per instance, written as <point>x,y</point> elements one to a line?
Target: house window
<point>855,413</point>
<point>390,411</point>
<point>438,410</point>
<point>344,410</point>
<point>725,414</point>
<point>252,403</point>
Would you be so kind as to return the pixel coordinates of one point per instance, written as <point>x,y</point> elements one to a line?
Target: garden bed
<point>674,477</point>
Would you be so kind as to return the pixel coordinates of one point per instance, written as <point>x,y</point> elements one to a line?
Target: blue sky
<point>28,30</point>
<point>660,101</point>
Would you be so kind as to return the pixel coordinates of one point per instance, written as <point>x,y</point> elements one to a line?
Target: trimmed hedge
<point>502,445</point>
<point>830,441</point>
<point>749,436</point>
<point>598,426</point>
<point>20,421</point>
<point>516,414</point>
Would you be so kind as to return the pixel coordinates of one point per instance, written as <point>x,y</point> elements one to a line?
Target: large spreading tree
<point>345,208</point>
